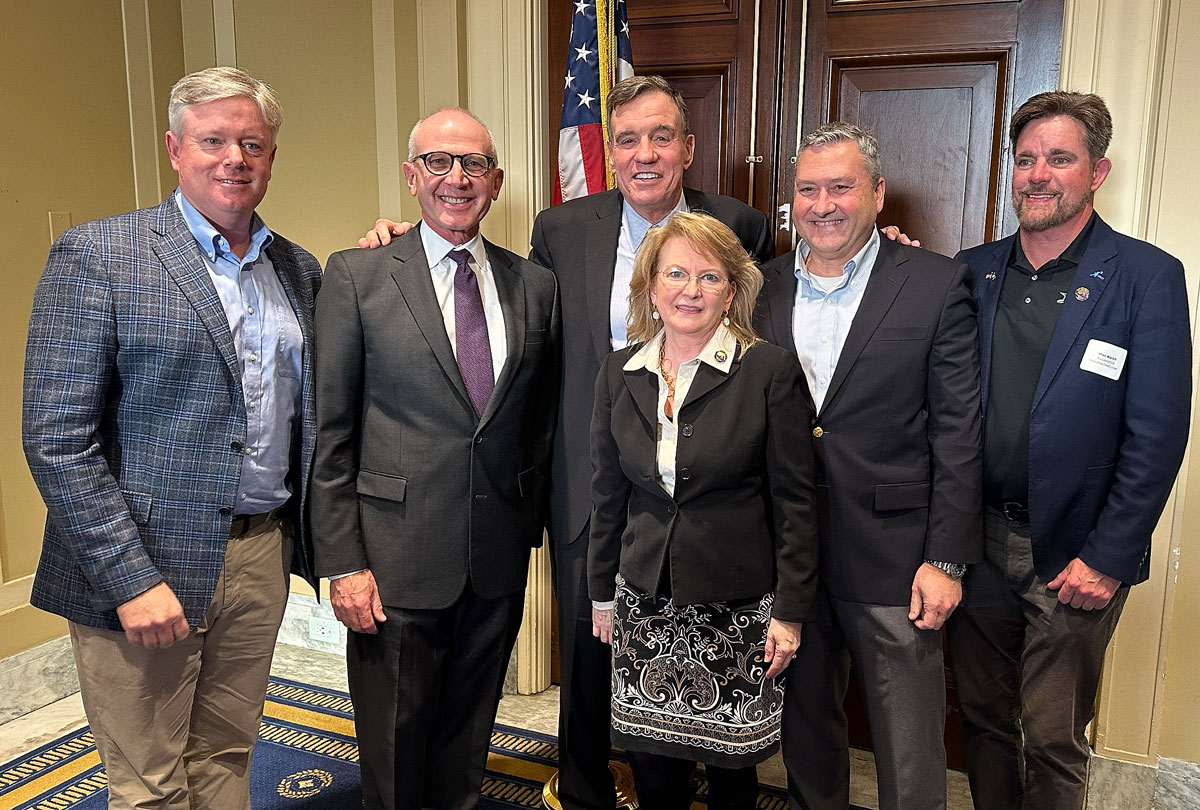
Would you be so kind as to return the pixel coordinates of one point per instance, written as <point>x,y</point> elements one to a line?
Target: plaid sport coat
<point>134,417</point>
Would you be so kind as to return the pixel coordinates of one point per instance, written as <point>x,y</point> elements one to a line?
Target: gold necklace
<point>668,377</point>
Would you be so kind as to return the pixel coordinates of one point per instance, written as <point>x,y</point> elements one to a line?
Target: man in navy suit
<point>1086,359</point>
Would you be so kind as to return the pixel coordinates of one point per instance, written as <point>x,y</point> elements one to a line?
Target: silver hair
<point>216,83</point>
<point>841,131</point>
<point>412,133</point>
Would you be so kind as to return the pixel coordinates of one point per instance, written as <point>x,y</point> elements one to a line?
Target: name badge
<point>1104,359</point>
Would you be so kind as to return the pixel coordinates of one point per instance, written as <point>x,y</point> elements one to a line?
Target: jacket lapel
<point>1094,273</point>
<point>987,297</point>
<point>781,302</point>
<point>887,278</point>
<point>643,387</point>
<point>411,274</point>
<point>183,261</point>
<point>708,378</point>
<point>511,289</point>
<point>600,238</point>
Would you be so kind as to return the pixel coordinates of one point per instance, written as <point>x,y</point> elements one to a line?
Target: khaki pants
<point>175,728</point>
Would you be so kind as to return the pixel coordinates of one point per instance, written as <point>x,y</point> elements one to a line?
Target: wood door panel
<point>936,125</point>
<point>835,6</point>
<point>682,10</point>
<point>705,90</point>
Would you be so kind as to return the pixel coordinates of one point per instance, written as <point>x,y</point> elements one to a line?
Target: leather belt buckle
<point>1015,512</point>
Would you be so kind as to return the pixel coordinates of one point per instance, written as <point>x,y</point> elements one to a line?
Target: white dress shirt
<point>442,270</point>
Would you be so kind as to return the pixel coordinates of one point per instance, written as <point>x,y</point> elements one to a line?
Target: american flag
<point>599,56</point>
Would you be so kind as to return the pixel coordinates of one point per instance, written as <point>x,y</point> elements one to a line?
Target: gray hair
<point>412,133</point>
<point>216,83</point>
<point>841,131</point>
<point>628,89</point>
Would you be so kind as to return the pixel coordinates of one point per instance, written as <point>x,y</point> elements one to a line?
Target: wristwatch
<point>953,570</point>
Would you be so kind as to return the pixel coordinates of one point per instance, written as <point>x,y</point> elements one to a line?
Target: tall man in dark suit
<point>437,386</point>
<point>1086,358</point>
<point>886,336</point>
<point>590,244</point>
<point>168,424</point>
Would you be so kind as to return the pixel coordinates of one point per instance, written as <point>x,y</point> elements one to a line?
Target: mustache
<point>1038,188</point>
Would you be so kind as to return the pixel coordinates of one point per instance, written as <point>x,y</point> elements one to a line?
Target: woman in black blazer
<point>702,561</point>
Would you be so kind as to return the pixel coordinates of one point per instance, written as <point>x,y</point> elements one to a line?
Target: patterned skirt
<point>688,679</point>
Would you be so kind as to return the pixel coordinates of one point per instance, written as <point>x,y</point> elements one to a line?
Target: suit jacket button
<point>686,430</point>
<point>685,474</point>
<point>478,440</point>
<point>817,432</point>
<point>225,510</point>
<point>670,509</point>
<point>237,446</point>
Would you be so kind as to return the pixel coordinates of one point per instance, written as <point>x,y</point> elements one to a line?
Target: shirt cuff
<point>332,577</point>
<point>603,605</point>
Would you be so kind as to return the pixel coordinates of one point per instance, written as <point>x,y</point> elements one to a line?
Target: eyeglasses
<point>473,163</point>
<point>709,282</point>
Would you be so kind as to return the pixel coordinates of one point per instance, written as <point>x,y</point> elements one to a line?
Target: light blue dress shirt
<point>266,336</point>
<point>823,311</point>
<point>633,231</point>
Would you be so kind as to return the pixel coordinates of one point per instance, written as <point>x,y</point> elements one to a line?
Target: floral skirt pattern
<point>688,679</point>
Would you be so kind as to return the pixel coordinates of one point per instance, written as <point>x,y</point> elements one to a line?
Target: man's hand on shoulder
<point>154,618</point>
<point>891,232</point>
<point>935,595</point>
<point>355,600</point>
<point>1081,586</point>
<point>383,232</point>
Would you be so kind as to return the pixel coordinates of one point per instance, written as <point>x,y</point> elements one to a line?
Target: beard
<point>1064,209</point>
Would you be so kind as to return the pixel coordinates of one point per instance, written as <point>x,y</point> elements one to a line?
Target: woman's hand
<point>602,621</point>
<point>783,639</point>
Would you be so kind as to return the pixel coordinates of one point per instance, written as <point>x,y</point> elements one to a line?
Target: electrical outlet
<point>323,629</point>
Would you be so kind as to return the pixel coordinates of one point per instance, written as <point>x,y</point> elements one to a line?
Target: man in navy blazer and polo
<point>1086,374</point>
<point>168,424</point>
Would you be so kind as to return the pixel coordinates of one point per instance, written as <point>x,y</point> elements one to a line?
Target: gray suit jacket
<point>408,481</point>
<point>134,418</point>
<point>578,241</point>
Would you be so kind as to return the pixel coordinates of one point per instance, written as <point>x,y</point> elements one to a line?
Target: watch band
<point>954,570</point>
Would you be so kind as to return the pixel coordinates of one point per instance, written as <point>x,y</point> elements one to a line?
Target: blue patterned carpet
<point>306,760</point>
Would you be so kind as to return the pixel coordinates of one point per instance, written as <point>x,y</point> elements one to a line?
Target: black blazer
<point>897,440</point>
<point>578,241</point>
<point>407,480</point>
<point>743,518</point>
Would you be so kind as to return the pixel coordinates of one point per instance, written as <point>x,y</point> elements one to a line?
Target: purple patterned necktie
<point>473,351</point>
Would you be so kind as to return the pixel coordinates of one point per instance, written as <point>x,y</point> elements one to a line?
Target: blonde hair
<point>708,235</point>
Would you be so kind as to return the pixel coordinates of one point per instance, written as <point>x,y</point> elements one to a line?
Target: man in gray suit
<point>437,368</point>
<point>168,425</point>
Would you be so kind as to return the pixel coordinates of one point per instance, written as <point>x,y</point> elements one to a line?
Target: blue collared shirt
<point>823,311</point>
<point>266,336</point>
<point>633,230</point>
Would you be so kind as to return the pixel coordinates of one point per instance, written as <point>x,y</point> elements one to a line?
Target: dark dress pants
<point>585,690</point>
<point>904,682</point>
<point>667,783</point>
<point>425,690</point>
<point>1027,669</point>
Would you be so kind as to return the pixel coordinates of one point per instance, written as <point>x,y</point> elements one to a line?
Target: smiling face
<point>693,309</point>
<point>452,204</point>
<point>649,153</point>
<point>836,204</point>
<point>1054,180</point>
<point>223,155</point>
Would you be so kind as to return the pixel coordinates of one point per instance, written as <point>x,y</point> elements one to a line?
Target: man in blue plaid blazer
<point>168,424</point>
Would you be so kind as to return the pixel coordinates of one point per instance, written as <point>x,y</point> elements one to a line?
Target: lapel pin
<point>1098,274</point>
<point>1082,293</point>
<point>991,276</point>
<point>1062,297</point>
<point>721,356</point>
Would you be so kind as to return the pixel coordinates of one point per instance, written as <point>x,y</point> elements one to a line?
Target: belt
<point>1012,511</point>
<point>242,525</point>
